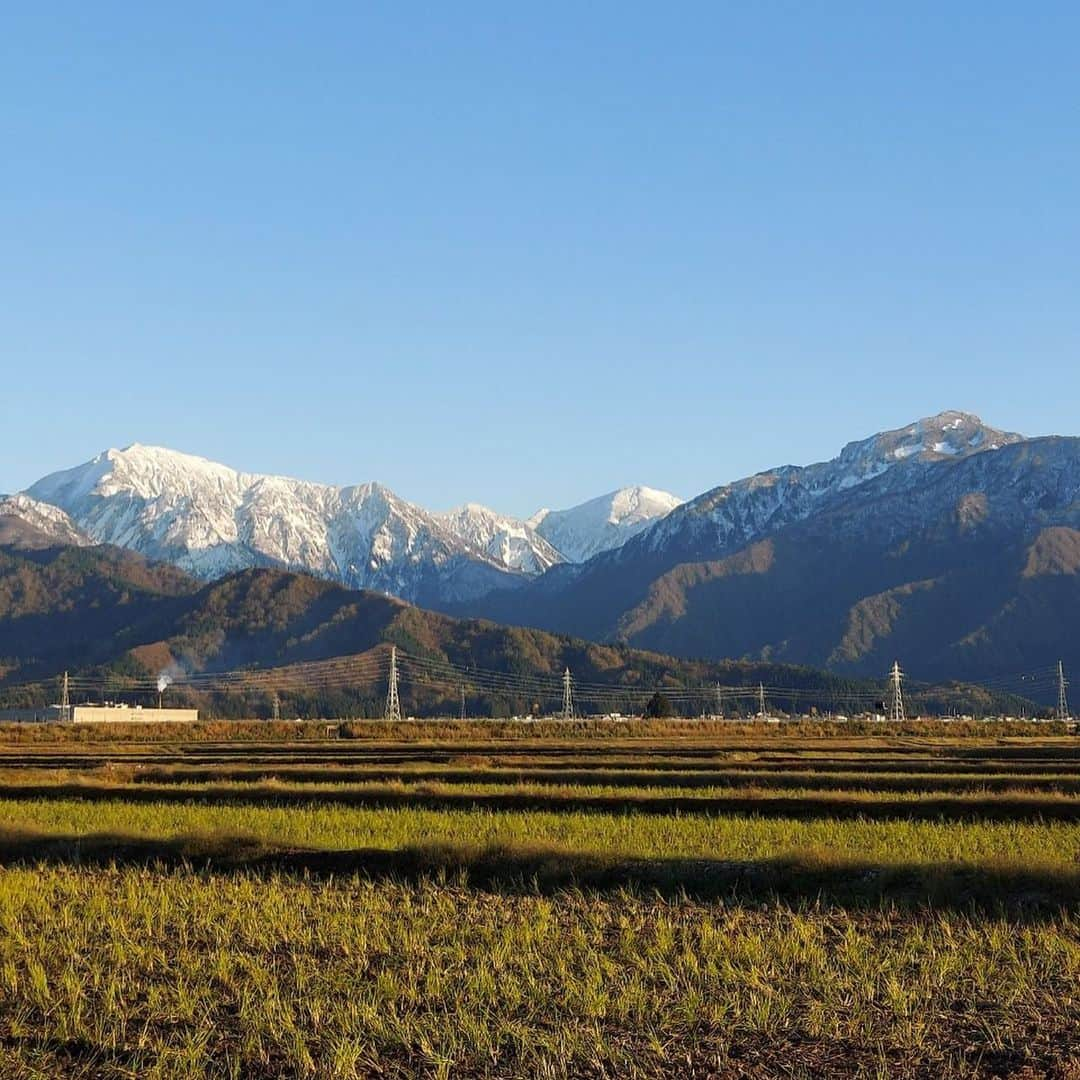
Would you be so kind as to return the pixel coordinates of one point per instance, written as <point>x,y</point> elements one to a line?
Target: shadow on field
<point>1002,808</point>
<point>780,754</point>
<point>1024,892</point>
<point>793,780</point>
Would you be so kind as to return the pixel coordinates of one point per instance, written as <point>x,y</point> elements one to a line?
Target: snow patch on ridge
<point>744,511</point>
<point>46,522</point>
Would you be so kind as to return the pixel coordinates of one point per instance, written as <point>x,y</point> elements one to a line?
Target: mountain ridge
<point>799,563</point>
<point>212,520</point>
<point>837,563</point>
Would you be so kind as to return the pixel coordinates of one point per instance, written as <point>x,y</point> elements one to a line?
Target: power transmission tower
<point>277,708</point>
<point>719,701</point>
<point>393,706</point>
<point>65,699</point>
<point>761,700</point>
<point>463,703</point>
<point>896,693</point>
<point>1063,701</point>
<point>567,695</point>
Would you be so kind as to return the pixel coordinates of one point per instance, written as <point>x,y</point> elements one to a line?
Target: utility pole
<point>567,695</point>
<point>761,700</point>
<point>1063,701</point>
<point>65,700</point>
<point>896,693</point>
<point>463,703</point>
<point>719,702</point>
<point>393,706</point>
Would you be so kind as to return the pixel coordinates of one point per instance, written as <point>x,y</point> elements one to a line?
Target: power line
<point>547,690</point>
<point>447,672</point>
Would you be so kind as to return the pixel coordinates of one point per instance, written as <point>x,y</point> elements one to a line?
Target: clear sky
<point>524,254</point>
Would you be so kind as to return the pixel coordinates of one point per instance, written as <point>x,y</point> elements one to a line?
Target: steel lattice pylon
<point>393,705</point>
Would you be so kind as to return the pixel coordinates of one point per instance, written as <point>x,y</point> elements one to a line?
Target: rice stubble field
<point>689,904</point>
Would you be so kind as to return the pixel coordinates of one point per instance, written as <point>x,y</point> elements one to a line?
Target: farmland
<point>466,902</point>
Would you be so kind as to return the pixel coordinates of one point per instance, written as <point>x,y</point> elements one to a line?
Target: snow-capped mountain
<point>507,541</point>
<point>597,599</point>
<point>960,564</point>
<point>551,537</point>
<point>740,512</point>
<point>211,520</point>
<point>947,543</point>
<point>25,521</point>
<point>604,523</point>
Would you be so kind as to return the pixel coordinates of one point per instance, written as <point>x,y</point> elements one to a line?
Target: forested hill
<point>102,613</point>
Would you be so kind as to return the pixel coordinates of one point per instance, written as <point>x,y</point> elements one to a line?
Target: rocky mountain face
<point>947,543</point>
<point>211,520</point>
<point>25,522</point>
<point>970,572</point>
<point>734,514</point>
<point>508,542</point>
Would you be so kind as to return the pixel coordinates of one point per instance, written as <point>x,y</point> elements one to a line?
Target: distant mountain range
<point>947,543</point>
<point>211,520</point>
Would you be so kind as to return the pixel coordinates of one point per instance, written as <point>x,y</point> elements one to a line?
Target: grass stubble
<point>198,926</point>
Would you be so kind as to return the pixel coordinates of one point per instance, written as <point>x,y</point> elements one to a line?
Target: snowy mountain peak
<point>212,520</point>
<point>951,433</point>
<point>632,505</point>
<point>740,512</point>
<point>603,523</point>
<point>149,472</point>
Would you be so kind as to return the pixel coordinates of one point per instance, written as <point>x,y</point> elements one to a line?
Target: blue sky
<point>524,254</point>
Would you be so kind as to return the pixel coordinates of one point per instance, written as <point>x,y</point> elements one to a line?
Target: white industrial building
<point>129,714</point>
<point>99,714</point>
